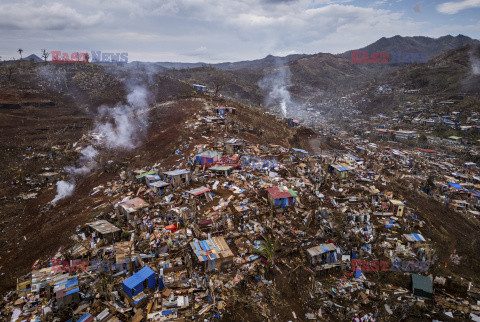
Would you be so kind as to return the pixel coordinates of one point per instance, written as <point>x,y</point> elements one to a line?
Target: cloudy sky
<point>223,30</point>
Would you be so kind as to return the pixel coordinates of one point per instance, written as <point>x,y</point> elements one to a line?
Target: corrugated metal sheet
<point>159,184</point>
<point>138,277</point>
<point>277,193</point>
<point>211,249</point>
<point>320,249</point>
<point>87,317</point>
<point>177,172</point>
<point>198,191</point>
<point>300,150</point>
<point>66,287</point>
<point>103,227</point>
<point>414,237</point>
<point>134,204</point>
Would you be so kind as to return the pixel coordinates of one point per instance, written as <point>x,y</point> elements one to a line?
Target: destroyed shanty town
<point>290,188</point>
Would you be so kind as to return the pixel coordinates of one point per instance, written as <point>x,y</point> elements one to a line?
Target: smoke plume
<point>120,127</point>
<point>64,189</point>
<point>277,84</point>
<point>475,65</point>
<point>86,162</point>
<point>123,125</point>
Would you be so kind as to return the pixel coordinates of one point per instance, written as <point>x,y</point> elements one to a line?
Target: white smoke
<point>474,59</point>
<point>64,189</point>
<point>277,85</point>
<point>475,66</point>
<point>121,127</point>
<point>86,162</point>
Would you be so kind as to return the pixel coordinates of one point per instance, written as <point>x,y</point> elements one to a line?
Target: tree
<point>20,51</point>
<point>219,81</point>
<point>268,249</point>
<point>9,72</point>
<point>45,54</point>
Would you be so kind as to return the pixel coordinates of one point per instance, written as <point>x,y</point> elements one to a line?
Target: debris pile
<point>240,230</point>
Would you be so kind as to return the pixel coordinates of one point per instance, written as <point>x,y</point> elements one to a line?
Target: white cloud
<point>54,16</point>
<point>454,7</point>
<point>208,30</point>
<point>380,2</point>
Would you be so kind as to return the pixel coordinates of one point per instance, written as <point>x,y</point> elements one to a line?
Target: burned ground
<point>42,137</point>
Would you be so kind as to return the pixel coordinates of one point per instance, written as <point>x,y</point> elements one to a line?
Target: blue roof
<point>68,283</point>
<point>455,185</point>
<point>325,249</point>
<point>84,317</point>
<point>70,286</point>
<point>75,290</point>
<point>71,282</point>
<point>138,277</point>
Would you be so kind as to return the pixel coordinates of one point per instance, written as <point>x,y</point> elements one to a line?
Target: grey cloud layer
<point>210,30</point>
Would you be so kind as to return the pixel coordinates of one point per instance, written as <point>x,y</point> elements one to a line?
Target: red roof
<point>277,193</point>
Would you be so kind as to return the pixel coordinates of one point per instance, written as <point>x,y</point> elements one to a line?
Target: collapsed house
<point>67,291</point>
<point>323,254</point>
<point>105,230</point>
<point>233,146</point>
<point>208,158</point>
<point>132,207</point>
<point>200,243</point>
<point>396,207</point>
<point>201,191</point>
<point>340,171</point>
<point>177,178</point>
<point>213,254</point>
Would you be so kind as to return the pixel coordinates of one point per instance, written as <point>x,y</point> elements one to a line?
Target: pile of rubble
<point>237,228</point>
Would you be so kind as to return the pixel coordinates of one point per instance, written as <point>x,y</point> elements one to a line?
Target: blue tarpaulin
<point>417,237</point>
<point>455,185</point>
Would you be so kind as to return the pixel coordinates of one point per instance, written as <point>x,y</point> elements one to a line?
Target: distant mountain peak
<point>33,57</point>
<point>433,46</point>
